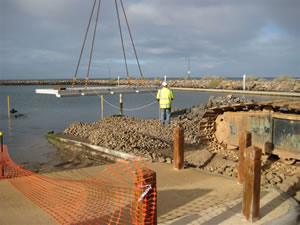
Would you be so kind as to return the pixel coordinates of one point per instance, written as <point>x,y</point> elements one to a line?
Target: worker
<point>165,97</point>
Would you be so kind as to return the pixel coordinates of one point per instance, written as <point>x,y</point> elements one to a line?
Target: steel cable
<point>94,36</point>
<point>84,41</point>
<point>138,108</point>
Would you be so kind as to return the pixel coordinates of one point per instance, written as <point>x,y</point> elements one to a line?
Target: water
<point>43,113</point>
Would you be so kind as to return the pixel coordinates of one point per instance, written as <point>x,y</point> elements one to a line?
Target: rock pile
<point>196,112</point>
<point>132,135</point>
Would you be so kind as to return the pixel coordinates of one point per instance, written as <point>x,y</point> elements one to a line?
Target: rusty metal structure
<point>275,127</point>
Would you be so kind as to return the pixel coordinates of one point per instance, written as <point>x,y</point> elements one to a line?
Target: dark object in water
<point>19,115</point>
<point>13,111</point>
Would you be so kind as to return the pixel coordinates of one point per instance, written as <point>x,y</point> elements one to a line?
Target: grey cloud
<point>220,37</point>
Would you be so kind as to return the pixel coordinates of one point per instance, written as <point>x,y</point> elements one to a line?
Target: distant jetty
<point>281,84</point>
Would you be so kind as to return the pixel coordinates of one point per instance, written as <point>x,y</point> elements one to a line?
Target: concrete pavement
<point>189,196</point>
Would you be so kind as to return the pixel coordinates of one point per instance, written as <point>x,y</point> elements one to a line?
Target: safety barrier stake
<point>145,197</point>
<point>251,188</point>
<point>179,148</point>
<point>244,142</point>
<point>2,163</point>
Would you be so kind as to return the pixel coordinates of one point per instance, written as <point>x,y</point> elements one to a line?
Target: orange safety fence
<point>121,193</point>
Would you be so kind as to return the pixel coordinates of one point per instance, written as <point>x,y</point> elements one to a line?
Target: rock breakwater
<point>280,85</point>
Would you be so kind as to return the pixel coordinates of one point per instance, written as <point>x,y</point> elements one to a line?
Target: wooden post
<point>179,148</point>
<point>251,188</point>
<point>145,197</point>
<point>102,114</point>
<point>8,106</point>
<point>121,104</point>
<point>244,142</point>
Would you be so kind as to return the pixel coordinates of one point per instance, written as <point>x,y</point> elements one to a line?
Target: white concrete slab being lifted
<point>94,91</point>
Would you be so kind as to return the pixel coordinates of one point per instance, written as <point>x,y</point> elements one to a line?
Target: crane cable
<point>122,41</point>
<point>92,48</point>
<point>130,34</point>
<point>83,44</point>
<point>93,41</point>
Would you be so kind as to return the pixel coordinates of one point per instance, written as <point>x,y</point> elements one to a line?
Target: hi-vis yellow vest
<point>165,97</point>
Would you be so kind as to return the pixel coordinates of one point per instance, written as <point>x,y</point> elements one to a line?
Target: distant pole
<point>108,67</point>
<point>165,78</point>
<point>121,104</point>
<point>8,106</point>
<point>244,82</point>
<point>102,114</point>
<point>189,68</point>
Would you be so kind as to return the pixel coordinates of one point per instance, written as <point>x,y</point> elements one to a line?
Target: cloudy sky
<point>41,39</point>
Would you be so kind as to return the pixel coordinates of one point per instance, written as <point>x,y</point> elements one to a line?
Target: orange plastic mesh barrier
<point>122,193</point>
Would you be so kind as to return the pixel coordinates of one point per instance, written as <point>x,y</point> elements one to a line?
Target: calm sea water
<point>43,113</point>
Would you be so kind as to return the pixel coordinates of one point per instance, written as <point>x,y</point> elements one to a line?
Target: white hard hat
<point>164,84</point>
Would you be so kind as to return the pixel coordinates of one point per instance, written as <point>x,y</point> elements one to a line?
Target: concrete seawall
<point>269,93</point>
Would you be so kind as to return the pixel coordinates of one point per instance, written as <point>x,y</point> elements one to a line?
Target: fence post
<point>244,142</point>
<point>251,188</point>
<point>179,148</point>
<point>244,82</point>
<point>145,197</point>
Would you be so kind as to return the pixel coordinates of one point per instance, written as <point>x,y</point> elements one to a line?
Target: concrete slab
<point>273,207</point>
<point>97,91</point>
<point>16,209</point>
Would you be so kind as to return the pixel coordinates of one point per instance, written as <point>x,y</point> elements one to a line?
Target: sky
<point>42,39</point>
